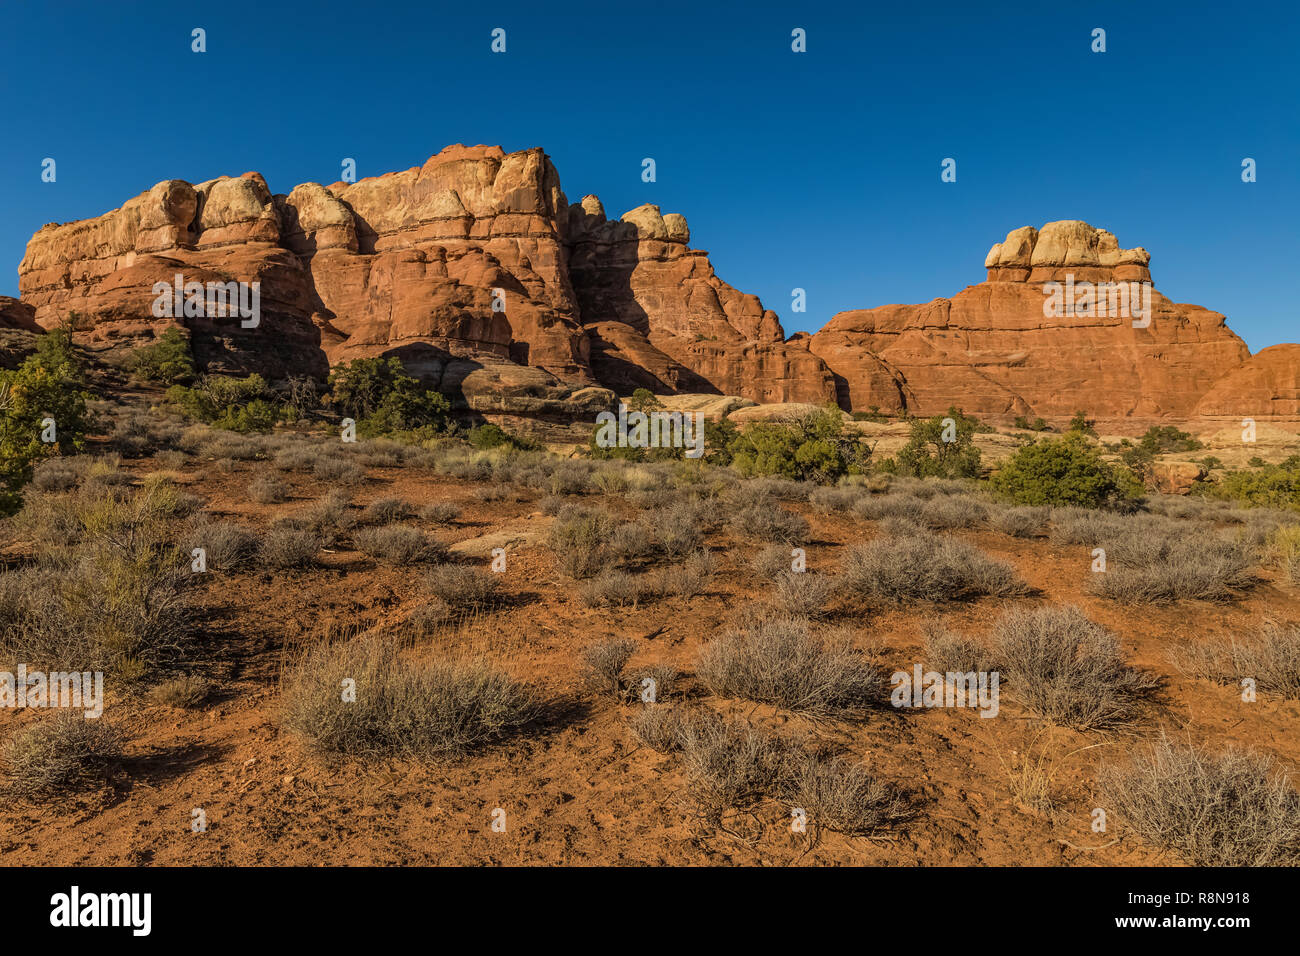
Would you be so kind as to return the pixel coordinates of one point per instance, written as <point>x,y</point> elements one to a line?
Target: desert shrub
<point>1163,439</point>
<point>47,385</point>
<point>495,493</point>
<point>1275,486</point>
<point>268,490</point>
<point>325,517</point>
<point>108,597</point>
<point>1067,668</point>
<point>768,521</point>
<point>686,578</point>
<point>287,547</point>
<point>1232,809</point>
<point>226,546</point>
<point>950,653</point>
<point>55,474</point>
<point>384,510</point>
<point>842,795</point>
<point>1156,568</point>
<point>878,507</point>
<point>578,538</point>
<point>494,436</point>
<point>227,402</point>
<point>804,594</point>
<point>461,586</point>
<point>811,447</point>
<point>338,470</point>
<point>942,446</point>
<point>1063,471</point>
<point>659,727</point>
<point>771,562</point>
<point>166,360</point>
<point>616,588</point>
<point>609,481</point>
<point>1083,526</point>
<point>182,692</point>
<point>1284,542</point>
<point>1270,656</point>
<point>777,660</point>
<point>730,764</point>
<point>832,500</point>
<point>441,513</point>
<point>925,567</point>
<point>631,541</point>
<point>954,511</point>
<point>395,543</point>
<point>383,399</point>
<point>1022,522</point>
<point>605,673</point>
<point>430,707</point>
<point>681,528</point>
<point>296,458</point>
<point>63,753</point>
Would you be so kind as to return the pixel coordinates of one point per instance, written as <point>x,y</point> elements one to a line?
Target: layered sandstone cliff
<point>994,350</point>
<point>475,270</point>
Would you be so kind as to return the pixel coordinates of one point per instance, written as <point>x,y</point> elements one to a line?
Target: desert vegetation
<point>692,653</point>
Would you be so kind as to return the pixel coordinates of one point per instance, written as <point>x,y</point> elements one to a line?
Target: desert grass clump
<point>64,753</point>
<point>925,567</point>
<point>1270,657</point>
<point>464,587</point>
<point>1232,809</point>
<point>424,707</point>
<point>1067,668</point>
<point>440,513</point>
<point>268,490</point>
<point>772,561</point>
<point>1160,568</point>
<point>778,660</point>
<point>765,520</point>
<point>286,547</point>
<point>183,693</point>
<point>396,544</point>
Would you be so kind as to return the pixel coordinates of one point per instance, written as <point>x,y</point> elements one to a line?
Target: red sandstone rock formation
<point>475,270</point>
<point>1266,385</point>
<point>660,318</point>
<point>992,351</point>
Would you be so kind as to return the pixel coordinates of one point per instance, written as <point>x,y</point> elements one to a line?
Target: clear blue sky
<point>819,170</point>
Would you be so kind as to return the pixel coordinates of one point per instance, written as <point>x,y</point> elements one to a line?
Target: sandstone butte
<point>409,264</point>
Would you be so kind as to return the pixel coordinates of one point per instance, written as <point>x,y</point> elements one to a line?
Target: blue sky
<point>818,170</point>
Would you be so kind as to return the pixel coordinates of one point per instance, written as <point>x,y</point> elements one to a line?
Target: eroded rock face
<point>992,351</point>
<point>478,273</point>
<point>1266,385</point>
<point>659,317</point>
